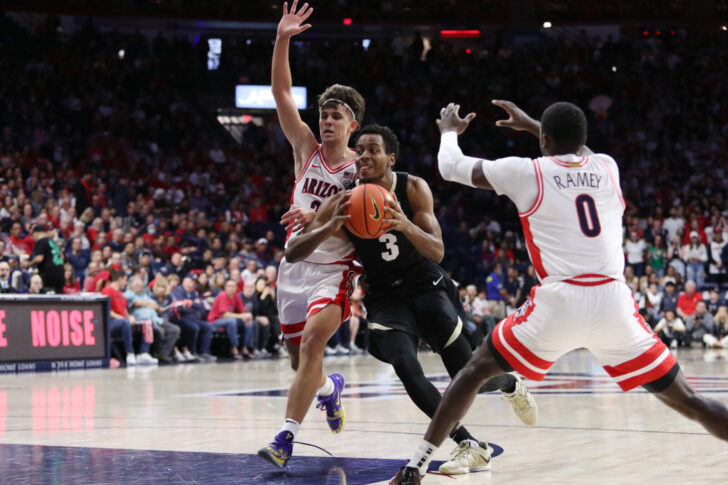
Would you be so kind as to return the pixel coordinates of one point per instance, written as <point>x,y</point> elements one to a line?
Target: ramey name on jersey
<point>391,260</point>
<point>574,227</point>
<point>316,183</point>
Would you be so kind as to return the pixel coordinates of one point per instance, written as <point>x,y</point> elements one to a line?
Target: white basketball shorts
<point>600,316</point>
<point>304,289</point>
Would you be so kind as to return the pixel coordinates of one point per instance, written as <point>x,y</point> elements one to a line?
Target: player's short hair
<point>565,123</point>
<point>338,93</point>
<point>391,143</point>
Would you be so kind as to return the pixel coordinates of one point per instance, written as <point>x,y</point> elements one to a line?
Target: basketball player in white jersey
<point>313,295</point>
<point>571,206</point>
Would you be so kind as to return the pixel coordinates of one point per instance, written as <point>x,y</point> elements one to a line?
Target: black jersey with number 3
<point>391,261</point>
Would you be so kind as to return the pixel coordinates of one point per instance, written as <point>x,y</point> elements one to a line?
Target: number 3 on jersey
<point>589,222</point>
<point>390,243</point>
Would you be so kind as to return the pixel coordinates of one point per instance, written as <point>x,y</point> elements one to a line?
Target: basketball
<point>367,210</point>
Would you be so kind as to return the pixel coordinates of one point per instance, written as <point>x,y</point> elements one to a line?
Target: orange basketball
<point>367,210</point>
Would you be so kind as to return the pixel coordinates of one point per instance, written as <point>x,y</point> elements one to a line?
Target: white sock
<point>421,458</point>
<point>327,389</point>
<point>291,425</point>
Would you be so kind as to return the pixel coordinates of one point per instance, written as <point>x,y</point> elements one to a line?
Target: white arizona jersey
<point>317,182</point>
<point>571,211</point>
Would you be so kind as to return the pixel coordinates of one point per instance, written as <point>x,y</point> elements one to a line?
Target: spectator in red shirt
<point>687,301</point>
<point>24,244</point>
<point>259,211</point>
<point>100,280</point>
<point>91,272</point>
<point>228,312</point>
<point>121,322</point>
<point>71,286</point>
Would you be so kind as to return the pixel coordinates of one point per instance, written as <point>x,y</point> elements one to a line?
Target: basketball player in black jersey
<point>408,294</point>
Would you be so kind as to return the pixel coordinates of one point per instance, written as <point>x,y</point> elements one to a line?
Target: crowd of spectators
<point>138,193</point>
<point>410,11</point>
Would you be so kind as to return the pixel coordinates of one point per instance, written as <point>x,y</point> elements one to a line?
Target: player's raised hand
<point>517,118</point>
<point>450,119</point>
<point>292,22</point>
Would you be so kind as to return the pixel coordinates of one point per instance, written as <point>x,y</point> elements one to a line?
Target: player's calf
<point>711,414</point>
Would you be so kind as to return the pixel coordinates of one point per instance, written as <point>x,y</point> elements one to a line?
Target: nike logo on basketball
<point>376,215</point>
<point>434,283</point>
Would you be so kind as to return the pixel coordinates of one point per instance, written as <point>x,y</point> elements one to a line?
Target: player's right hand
<point>450,119</point>
<point>292,22</point>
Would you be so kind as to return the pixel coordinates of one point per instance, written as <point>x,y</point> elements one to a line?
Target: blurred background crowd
<point>115,177</point>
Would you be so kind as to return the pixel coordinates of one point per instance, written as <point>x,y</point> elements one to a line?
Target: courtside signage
<point>57,328</point>
<point>261,96</point>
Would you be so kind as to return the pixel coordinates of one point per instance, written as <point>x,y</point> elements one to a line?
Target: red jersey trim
<point>331,170</point>
<point>305,167</point>
<point>289,231</point>
<point>539,195</point>
<point>566,164</point>
<point>533,250</point>
<point>596,280</point>
<point>615,184</point>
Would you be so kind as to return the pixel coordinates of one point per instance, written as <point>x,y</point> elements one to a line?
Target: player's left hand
<point>450,119</point>
<point>396,220</point>
<point>297,218</point>
<point>292,22</point>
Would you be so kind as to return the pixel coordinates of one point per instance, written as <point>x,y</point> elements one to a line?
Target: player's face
<point>335,123</point>
<point>372,159</point>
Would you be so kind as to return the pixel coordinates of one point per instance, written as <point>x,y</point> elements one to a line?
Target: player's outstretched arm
<point>423,231</point>
<point>519,120</point>
<point>327,223</point>
<point>297,132</point>
<point>453,164</point>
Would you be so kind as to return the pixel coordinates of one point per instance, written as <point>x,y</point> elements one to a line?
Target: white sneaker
<point>467,457</point>
<point>341,350</point>
<point>355,349</point>
<point>523,403</point>
<point>673,344</point>
<point>329,351</point>
<point>130,359</point>
<point>146,359</point>
<point>188,355</point>
<point>179,356</point>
